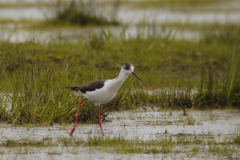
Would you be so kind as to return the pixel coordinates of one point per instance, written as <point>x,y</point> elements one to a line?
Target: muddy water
<point>146,123</point>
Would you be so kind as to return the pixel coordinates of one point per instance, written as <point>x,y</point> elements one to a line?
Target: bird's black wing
<point>90,87</point>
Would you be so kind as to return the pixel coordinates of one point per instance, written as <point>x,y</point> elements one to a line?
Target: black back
<point>90,87</point>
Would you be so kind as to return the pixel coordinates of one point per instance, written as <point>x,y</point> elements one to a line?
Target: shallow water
<point>220,12</point>
<point>146,123</point>
<point>127,14</point>
<point>74,35</point>
<point>22,13</point>
<point>94,154</point>
<point>163,15</point>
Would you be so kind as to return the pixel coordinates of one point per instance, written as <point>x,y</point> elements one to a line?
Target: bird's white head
<point>128,69</point>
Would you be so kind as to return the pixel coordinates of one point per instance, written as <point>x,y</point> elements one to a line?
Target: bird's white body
<point>108,91</point>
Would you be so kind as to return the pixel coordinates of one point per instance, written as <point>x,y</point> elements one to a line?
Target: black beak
<point>136,76</point>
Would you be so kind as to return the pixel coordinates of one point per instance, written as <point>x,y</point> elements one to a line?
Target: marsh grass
<point>176,73</point>
<point>221,86</point>
<point>236,139</point>
<point>34,99</point>
<point>226,34</point>
<point>31,98</point>
<point>121,145</point>
<point>80,13</point>
<point>166,143</point>
<point>66,141</point>
<point>45,142</point>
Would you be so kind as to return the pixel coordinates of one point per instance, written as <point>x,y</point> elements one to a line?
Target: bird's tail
<point>72,88</point>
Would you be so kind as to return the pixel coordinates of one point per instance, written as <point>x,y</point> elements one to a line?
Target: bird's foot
<point>71,133</point>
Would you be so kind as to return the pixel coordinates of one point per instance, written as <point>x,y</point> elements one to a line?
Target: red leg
<point>99,121</point>
<point>71,133</point>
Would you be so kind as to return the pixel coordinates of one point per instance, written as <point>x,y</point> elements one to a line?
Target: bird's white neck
<point>121,76</point>
<point>118,81</point>
<point>114,84</point>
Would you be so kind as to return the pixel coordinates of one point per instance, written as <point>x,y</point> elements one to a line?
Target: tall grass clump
<point>221,86</point>
<point>36,96</point>
<point>81,13</point>
<point>3,109</point>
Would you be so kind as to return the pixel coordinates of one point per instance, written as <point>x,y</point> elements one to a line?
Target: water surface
<point>146,123</point>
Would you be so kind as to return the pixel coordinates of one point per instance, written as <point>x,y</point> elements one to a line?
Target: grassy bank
<point>176,73</point>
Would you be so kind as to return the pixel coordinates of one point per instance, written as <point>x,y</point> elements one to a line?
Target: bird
<point>102,91</point>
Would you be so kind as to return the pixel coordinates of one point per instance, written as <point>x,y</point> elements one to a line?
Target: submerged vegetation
<point>121,145</point>
<point>164,144</point>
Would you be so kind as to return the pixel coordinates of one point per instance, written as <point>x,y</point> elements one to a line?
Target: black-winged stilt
<point>102,92</point>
